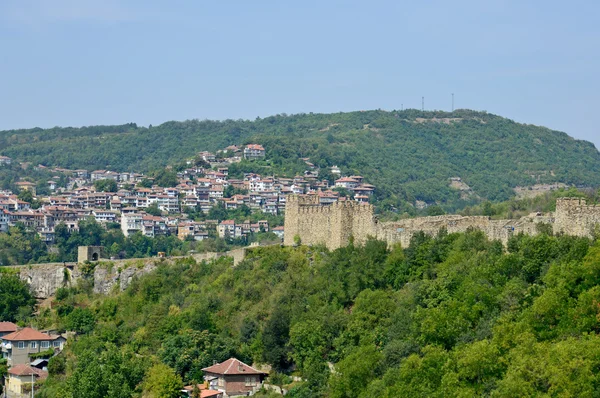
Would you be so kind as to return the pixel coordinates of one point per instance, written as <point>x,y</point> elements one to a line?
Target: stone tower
<point>89,253</point>
<point>332,225</point>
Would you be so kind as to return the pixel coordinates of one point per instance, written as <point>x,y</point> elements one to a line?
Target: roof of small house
<point>27,334</point>
<point>27,370</point>
<point>232,366</point>
<point>7,326</point>
<point>346,179</point>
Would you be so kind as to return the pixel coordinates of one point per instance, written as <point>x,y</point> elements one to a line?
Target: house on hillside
<point>5,161</point>
<point>254,151</point>
<point>4,220</point>
<point>279,231</point>
<point>346,182</point>
<point>26,186</point>
<point>18,346</point>
<point>234,378</point>
<point>22,378</point>
<point>7,327</point>
<point>207,156</point>
<point>229,230</point>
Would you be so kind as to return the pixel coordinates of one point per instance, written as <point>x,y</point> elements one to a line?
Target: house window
<point>221,382</point>
<point>56,344</point>
<point>45,344</point>
<point>21,345</point>
<point>33,344</point>
<point>250,381</point>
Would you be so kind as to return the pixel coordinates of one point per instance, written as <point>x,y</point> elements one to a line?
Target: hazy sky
<point>84,62</point>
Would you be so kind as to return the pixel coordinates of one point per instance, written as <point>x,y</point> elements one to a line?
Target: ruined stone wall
<point>574,216</point>
<point>403,230</point>
<point>334,224</point>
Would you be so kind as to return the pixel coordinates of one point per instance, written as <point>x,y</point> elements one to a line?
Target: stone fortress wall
<point>575,217</point>
<point>334,224</point>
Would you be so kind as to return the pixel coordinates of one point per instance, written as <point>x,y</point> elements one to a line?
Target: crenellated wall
<point>334,224</point>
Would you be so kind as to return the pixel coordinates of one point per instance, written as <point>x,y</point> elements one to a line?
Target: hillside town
<point>135,203</point>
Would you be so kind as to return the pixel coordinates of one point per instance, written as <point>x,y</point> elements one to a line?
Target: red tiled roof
<point>209,393</point>
<point>7,327</point>
<point>346,179</point>
<point>27,334</point>
<point>255,146</point>
<point>204,393</point>
<point>232,366</point>
<point>27,370</point>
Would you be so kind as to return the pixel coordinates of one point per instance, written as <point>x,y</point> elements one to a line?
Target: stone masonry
<point>575,217</point>
<point>333,225</point>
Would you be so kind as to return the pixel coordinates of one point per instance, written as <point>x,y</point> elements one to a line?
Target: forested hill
<point>408,155</point>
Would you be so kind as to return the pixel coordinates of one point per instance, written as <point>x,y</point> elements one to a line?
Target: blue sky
<point>85,62</point>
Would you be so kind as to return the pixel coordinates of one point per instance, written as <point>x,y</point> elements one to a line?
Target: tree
<point>354,372</point>
<point>166,178</point>
<point>107,185</point>
<point>26,196</point>
<point>81,320</point>
<point>275,337</point>
<point>435,211</point>
<point>145,183</point>
<point>153,210</point>
<point>162,382</point>
<point>15,298</point>
<point>195,391</point>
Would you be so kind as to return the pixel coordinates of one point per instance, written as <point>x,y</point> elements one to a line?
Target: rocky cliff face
<point>108,278</point>
<point>45,279</point>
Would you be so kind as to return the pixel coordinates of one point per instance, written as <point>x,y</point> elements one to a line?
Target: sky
<point>89,62</point>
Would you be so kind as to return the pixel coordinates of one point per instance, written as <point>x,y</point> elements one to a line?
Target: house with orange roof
<point>20,379</point>
<point>346,182</point>
<point>254,151</point>
<point>234,378</point>
<point>19,345</point>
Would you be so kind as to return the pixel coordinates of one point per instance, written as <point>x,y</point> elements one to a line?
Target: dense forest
<point>409,155</point>
<point>455,315</point>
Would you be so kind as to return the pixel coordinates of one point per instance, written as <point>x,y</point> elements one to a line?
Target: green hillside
<point>451,316</point>
<point>409,155</point>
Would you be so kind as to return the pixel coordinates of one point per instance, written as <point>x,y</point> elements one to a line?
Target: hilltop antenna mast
<point>452,102</point>
<point>402,106</point>
<point>423,104</point>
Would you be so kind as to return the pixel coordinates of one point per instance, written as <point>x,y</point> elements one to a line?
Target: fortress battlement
<point>334,224</point>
